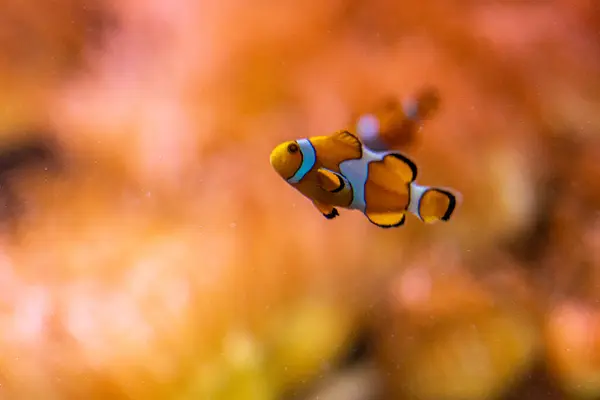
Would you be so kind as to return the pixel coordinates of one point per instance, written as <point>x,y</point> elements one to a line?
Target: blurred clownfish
<point>338,171</point>
<point>394,124</point>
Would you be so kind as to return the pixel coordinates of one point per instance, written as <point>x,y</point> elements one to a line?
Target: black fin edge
<point>411,164</point>
<point>334,213</point>
<point>396,225</point>
<point>341,186</point>
<point>451,206</point>
<point>360,143</point>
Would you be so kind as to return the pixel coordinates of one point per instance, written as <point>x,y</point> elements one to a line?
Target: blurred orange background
<point>155,254</point>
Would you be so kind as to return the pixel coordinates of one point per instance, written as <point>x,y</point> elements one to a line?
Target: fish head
<point>286,159</point>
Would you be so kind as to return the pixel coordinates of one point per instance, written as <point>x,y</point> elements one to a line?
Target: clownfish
<point>394,124</point>
<point>339,171</point>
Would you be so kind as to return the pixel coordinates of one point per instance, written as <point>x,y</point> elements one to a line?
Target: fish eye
<point>293,148</point>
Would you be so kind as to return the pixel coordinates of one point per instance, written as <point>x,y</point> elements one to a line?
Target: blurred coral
<point>573,335</point>
<point>41,46</point>
<point>452,338</point>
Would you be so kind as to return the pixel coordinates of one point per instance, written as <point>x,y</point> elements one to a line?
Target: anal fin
<point>328,211</point>
<point>387,220</point>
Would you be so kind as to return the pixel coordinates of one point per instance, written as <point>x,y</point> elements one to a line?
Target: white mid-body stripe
<point>416,192</point>
<point>357,172</point>
<point>309,157</point>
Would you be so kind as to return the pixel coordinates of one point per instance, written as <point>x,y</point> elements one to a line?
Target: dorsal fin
<point>348,139</point>
<point>401,165</point>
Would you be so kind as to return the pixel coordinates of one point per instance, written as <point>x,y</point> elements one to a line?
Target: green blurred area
<point>164,259</point>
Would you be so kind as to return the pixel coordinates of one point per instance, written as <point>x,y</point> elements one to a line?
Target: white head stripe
<point>309,157</point>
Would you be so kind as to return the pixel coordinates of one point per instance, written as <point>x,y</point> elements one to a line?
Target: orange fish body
<point>395,124</point>
<point>339,171</point>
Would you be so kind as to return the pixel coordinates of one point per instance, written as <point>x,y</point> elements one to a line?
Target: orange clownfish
<point>339,171</point>
<point>394,124</point>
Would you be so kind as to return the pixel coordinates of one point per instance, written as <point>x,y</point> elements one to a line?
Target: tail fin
<point>432,204</point>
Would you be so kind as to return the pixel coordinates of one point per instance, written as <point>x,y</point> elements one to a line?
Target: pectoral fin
<point>327,210</point>
<point>387,220</point>
<point>330,181</point>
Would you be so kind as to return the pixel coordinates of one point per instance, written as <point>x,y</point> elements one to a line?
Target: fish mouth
<point>275,161</point>
<point>278,163</point>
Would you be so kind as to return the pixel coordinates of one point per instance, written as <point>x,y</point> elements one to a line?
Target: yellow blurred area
<point>165,259</point>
